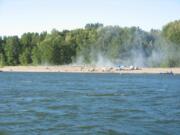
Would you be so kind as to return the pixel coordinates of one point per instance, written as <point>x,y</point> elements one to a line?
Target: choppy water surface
<point>67,103</point>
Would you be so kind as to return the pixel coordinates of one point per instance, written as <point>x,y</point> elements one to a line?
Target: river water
<point>90,104</point>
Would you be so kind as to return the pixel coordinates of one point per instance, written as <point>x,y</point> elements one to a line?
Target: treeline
<point>117,45</point>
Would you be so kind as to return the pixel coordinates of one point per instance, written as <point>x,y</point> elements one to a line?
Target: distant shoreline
<point>89,69</point>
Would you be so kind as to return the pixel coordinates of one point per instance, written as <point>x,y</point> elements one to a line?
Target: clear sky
<point>19,16</point>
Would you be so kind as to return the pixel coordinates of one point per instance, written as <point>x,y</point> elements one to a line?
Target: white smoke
<point>159,52</point>
<point>102,61</point>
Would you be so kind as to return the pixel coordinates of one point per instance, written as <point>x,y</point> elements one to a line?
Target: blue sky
<point>19,16</point>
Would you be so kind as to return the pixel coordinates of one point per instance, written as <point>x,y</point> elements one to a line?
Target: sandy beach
<point>87,69</point>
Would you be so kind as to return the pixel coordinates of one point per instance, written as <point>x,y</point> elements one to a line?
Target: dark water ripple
<point>112,104</point>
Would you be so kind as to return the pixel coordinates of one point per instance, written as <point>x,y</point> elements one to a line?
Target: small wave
<point>112,132</point>
<point>170,121</point>
<point>104,94</point>
<point>87,126</point>
<point>60,107</point>
<point>41,114</point>
<point>12,123</point>
<point>26,81</point>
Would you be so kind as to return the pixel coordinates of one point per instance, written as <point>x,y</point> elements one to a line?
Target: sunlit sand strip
<point>88,69</point>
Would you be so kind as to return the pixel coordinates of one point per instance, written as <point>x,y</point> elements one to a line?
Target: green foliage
<point>93,25</point>
<point>12,49</point>
<point>119,45</point>
<point>28,42</point>
<point>36,56</point>
<point>2,59</point>
<point>25,57</point>
<point>171,31</point>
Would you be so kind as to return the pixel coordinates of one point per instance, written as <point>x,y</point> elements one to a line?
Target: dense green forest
<point>95,44</point>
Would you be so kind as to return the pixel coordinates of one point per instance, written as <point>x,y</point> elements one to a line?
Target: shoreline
<point>90,69</point>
